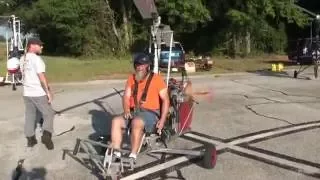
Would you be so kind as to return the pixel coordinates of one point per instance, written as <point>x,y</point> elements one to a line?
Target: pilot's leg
<point>136,135</point>
<point>144,120</point>
<point>118,123</point>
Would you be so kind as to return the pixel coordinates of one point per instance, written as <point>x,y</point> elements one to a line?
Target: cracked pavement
<point>265,127</point>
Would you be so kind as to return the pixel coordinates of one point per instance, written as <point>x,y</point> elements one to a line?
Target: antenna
<point>159,33</point>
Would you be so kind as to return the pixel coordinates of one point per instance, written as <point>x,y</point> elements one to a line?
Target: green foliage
<point>106,27</point>
<point>79,27</point>
<point>185,15</point>
<point>263,20</point>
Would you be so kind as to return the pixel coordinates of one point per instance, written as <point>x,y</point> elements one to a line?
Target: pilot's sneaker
<point>117,153</point>
<point>116,156</point>
<point>133,158</point>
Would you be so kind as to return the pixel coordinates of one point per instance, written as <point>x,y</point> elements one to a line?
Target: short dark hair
<point>34,40</point>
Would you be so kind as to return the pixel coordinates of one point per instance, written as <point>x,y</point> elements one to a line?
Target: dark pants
<point>35,108</point>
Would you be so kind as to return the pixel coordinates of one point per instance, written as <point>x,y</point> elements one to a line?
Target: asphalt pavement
<point>264,126</point>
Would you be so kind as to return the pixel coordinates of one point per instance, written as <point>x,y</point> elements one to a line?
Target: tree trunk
<point>115,30</point>
<point>129,10</point>
<point>248,42</point>
<point>126,39</point>
<point>235,45</point>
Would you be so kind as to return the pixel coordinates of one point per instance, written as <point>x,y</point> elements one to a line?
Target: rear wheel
<point>295,74</point>
<point>316,70</point>
<point>210,156</point>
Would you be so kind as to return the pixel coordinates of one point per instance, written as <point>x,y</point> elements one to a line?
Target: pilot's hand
<point>159,127</point>
<point>127,115</point>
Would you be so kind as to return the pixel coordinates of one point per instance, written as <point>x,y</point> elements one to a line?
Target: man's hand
<point>45,86</point>
<point>127,115</point>
<point>50,97</point>
<point>164,111</point>
<point>126,102</point>
<point>159,126</point>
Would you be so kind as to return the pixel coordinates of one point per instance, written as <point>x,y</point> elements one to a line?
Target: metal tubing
<point>169,61</point>
<point>96,143</point>
<point>178,151</point>
<point>76,147</point>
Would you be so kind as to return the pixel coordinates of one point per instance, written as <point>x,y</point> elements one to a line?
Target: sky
<point>3,30</point>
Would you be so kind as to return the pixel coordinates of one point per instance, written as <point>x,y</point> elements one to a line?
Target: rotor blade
<point>305,10</point>
<point>147,8</point>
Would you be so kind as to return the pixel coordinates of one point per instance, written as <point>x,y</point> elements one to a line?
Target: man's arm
<point>126,99</point>
<point>165,105</point>
<point>40,68</point>
<point>45,86</point>
<point>44,82</point>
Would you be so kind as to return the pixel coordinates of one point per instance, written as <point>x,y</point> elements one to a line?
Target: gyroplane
<point>14,51</point>
<point>308,49</point>
<point>178,122</point>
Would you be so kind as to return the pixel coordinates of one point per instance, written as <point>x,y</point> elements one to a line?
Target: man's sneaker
<point>116,155</point>
<point>46,140</point>
<point>133,158</point>
<point>31,141</point>
<point>132,161</point>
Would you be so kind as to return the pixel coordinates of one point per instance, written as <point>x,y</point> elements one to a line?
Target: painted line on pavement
<point>235,148</point>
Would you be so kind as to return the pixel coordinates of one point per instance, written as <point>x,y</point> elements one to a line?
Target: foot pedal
<point>129,163</point>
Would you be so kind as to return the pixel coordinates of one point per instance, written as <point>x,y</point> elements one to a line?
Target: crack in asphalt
<point>272,101</point>
<point>275,90</point>
<point>257,97</point>
<point>266,116</point>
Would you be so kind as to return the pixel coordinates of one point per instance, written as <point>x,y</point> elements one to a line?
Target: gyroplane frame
<point>99,153</point>
<point>14,50</point>
<point>313,50</point>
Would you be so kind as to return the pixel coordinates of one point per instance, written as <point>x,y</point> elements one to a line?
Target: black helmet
<point>141,58</point>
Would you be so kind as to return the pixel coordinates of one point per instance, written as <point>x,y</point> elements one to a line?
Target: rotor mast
<point>148,11</point>
<point>16,48</point>
<point>315,19</point>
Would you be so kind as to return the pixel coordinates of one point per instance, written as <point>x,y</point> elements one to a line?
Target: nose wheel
<point>295,74</point>
<point>210,156</point>
<point>316,70</point>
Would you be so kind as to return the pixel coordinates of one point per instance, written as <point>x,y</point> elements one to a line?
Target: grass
<point>63,69</point>
<point>223,65</point>
<point>252,64</point>
<point>67,69</point>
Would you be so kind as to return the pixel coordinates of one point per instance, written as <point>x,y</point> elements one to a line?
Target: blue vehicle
<point>177,56</point>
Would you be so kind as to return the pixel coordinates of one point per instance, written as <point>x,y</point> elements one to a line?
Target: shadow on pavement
<point>283,74</point>
<point>35,174</point>
<point>91,101</point>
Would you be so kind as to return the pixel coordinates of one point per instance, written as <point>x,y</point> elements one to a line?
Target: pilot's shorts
<point>150,118</point>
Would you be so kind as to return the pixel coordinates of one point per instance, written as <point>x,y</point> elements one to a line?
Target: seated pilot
<point>145,93</point>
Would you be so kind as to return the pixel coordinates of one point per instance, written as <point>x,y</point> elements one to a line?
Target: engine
<point>13,65</point>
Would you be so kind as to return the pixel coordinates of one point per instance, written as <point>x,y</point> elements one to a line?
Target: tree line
<point>113,27</point>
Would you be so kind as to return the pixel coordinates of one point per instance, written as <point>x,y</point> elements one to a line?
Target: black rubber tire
<point>112,177</point>
<point>14,87</point>
<point>295,74</point>
<point>210,156</point>
<point>316,71</point>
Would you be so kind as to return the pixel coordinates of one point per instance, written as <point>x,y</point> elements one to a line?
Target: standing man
<point>36,94</point>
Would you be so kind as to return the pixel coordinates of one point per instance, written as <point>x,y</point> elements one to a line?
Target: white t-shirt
<point>31,65</point>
